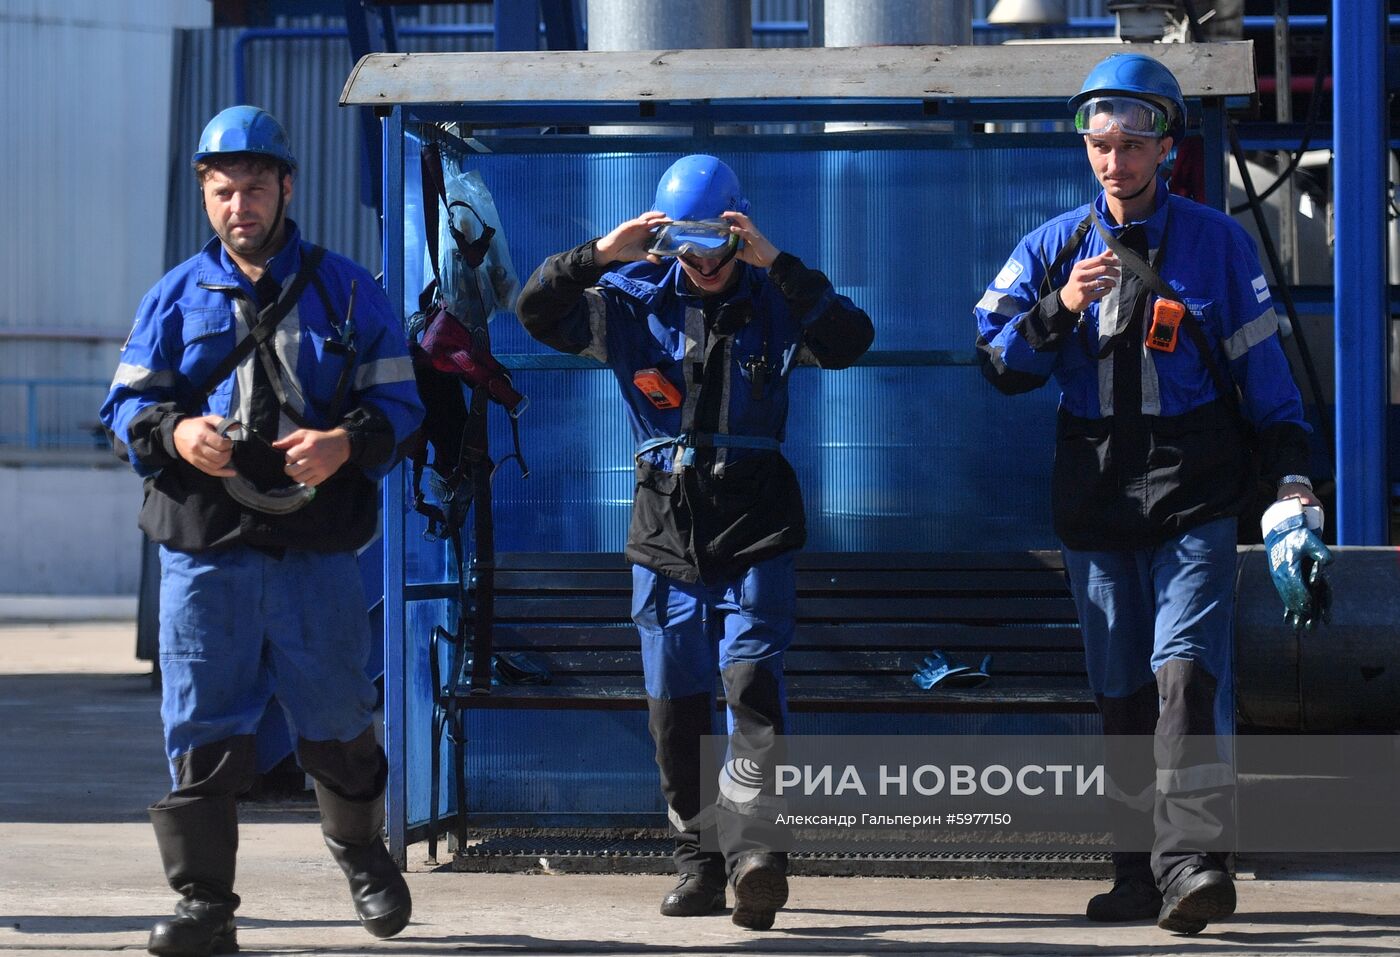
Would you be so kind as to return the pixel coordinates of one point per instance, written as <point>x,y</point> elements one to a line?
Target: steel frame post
<point>1359,268</point>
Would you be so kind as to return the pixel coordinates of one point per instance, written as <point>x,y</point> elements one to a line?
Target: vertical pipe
<point>395,645</point>
<point>517,24</point>
<point>863,467</point>
<point>1359,136</point>
<point>1283,99</point>
<point>648,25</point>
<point>849,23</point>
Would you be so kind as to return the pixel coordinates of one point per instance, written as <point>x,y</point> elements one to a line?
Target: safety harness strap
<point>687,442</point>
<point>1066,253</point>
<point>268,321</point>
<point>1224,384</point>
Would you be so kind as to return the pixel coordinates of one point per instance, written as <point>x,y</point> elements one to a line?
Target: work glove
<point>1297,559</point>
<point>939,671</point>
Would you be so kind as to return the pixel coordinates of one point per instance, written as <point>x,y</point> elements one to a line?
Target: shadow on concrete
<point>88,749</point>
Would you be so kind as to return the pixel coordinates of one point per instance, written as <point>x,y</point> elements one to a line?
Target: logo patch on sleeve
<point>1008,274</point>
<point>1261,288</point>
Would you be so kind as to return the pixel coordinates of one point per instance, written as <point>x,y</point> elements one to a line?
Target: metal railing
<point>45,413</point>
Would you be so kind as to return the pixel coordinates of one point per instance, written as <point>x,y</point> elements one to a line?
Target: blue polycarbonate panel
<point>890,458</point>
<point>561,762</point>
<point>913,451</point>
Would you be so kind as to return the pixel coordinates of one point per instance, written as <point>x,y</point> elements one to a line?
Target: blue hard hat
<point>1137,75</point>
<point>699,187</point>
<point>245,129</point>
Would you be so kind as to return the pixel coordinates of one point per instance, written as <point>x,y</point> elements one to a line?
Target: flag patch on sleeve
<point>1261,288</point>
<point>1008,275</point>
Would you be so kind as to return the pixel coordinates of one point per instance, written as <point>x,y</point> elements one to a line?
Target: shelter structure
<point>906,172</point>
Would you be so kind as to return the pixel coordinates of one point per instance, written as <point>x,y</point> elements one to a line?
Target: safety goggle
<point>704,239</point>
<point>1133,117</point>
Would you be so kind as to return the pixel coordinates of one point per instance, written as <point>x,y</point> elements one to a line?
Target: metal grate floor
<point>592,854</point>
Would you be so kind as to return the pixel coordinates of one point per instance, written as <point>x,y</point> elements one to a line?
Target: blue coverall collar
<point>644,284</point>
<point>1154,224</point>
<point>218,271</point>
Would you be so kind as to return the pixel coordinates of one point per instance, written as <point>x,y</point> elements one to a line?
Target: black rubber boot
<point>1134,895</point>
<point>352,832</point>
<point>198,841</point>
<point>696,893</point>
<point>1194,898</point>
<point>760,889</point>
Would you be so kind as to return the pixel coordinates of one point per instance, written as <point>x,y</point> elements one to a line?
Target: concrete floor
<point>80,758</point>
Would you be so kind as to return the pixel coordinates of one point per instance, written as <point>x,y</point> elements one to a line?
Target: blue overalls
<point>1150,472</point>
<point>717,512</point>
<point>250,607</point>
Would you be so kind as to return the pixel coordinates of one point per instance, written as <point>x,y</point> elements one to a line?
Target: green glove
<point>1297,562</point>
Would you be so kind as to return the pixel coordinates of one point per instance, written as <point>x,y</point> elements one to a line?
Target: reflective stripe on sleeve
<point>1251,334</point>
<point>139,378</point>
<point>1002,305</point>
<point>383,372</point>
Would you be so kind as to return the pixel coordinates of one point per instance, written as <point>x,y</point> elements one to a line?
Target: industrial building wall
<point>85,92</point>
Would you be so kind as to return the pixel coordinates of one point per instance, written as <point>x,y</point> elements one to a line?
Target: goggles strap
<point>720,264</point>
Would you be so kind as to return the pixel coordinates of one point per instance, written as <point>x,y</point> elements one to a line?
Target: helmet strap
<point>719,263</point>
<point>1145,186</point>
<point>274,234</point>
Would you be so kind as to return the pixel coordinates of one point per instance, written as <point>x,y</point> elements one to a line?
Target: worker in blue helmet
<point>702,319</point>
<point>262,394</point>
<point>1154,317</point>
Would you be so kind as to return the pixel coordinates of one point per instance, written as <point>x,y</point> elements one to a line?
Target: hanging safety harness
<point>451,351</point>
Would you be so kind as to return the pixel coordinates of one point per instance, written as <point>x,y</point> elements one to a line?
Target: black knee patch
<point>1135,713</point>
<point>754,696</point>
<point>677,725</point>
<point>1187,691</point>
<point>219,769</point>
<point>355,769</point>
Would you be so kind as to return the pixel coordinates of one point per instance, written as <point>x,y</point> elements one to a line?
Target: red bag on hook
<point>448,346</point>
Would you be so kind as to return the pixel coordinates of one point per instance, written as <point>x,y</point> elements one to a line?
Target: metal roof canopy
<point>1018,71</point>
